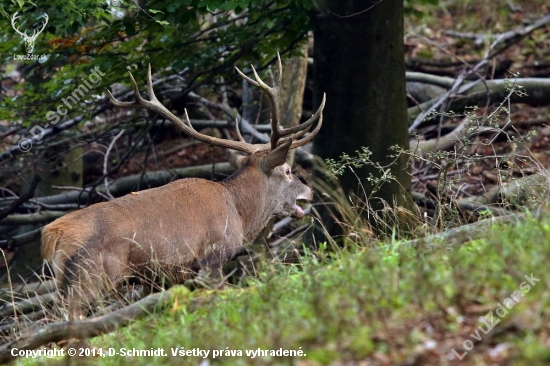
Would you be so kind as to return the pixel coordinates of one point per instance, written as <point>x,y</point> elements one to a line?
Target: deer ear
<point>235,158</point>
<point>275,157</point>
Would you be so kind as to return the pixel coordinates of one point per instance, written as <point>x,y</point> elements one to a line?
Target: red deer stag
<point>186,225</point>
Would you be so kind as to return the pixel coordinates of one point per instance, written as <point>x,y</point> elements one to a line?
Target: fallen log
<point>84,329</point>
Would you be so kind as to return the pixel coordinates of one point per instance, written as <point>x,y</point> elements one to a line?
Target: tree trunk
<point>359,63</point>
<point>292,93</point>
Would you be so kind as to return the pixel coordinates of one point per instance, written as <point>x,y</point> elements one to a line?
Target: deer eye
<point>287,171</point>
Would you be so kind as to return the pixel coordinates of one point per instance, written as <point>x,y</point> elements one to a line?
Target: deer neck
<point>248,188</point>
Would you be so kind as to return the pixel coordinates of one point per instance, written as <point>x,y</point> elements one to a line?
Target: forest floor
<point>485,303</point>
<point>458,33</point>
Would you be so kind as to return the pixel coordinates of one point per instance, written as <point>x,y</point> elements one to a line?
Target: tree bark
<point>292,93</point>
<point>359,63</point>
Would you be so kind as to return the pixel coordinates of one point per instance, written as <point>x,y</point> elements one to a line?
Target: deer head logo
<point>29,40</point>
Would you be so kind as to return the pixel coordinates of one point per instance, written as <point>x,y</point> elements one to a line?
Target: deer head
<point>29,40</point>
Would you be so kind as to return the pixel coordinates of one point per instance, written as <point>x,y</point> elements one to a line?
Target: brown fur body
<point>181,227</point>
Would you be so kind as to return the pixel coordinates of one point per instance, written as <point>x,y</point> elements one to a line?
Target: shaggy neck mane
<point>248,187</point>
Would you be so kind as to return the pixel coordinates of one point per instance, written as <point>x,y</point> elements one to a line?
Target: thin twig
<point>24,197</point>
<point>106,160</point>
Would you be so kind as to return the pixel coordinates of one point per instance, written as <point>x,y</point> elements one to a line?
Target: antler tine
<point>255,83</point>
<point>185,126</point>
<point>318,115</point>
<point>273,95</point>
<point>280,66</point>
<point>309,137</point>
<point>238,131</point>
<point>150,90</point>
<point>307,124</point>
<point>46,23</point>
<point>13,19</point>
<point>138,103</point>
<point>36,32</point>
<point>187,120</point>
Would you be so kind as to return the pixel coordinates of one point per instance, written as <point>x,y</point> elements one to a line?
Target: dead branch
<point>46,133</point>
<point>24,197</point>
<point>103,106</point>
<point>449,140</point>
<point>16,324</point>
<point>439,143</point>
<point>464,204</point>
<point>420,77</point>
<point>149,180</point>
<point>492,91</point>
<point>106,160</point>
<point>456,87</point>
<point>202,123</point>
<point>420,92</point>
<point>21,307</point>
<point>498,45</point>
<point>503,125</point>
<point>35,205</point>
<point>514,36</point>
<point>287,220</point>
<point>478,38</point>
<point>84,329</point>
<point>20,240</point>
<point>288,237</point>
<point>33,218</point>
<point>506,38</point>
<point>452,238</point>
<point>517,192</point>
<point>37,288</point>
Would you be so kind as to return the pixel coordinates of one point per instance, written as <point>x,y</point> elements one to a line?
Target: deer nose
<point>310,194</point>
<point>306,195</point>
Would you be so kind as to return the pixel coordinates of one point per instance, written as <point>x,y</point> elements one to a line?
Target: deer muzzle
<point>306,195</point>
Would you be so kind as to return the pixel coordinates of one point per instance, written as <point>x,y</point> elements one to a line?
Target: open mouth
<point>298,211</point>
<point>303,197</point>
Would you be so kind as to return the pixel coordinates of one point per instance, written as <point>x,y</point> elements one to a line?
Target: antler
<point>273,94</point>
<point>185,126</point>
<point>35,33</point>
<point>13,19</point>
<point>295,133</point>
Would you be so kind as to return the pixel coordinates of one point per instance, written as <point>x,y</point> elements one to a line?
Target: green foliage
<point>346,161</point>
<point>206,37</point>
<point>417,8</point>
<point>380,175</point>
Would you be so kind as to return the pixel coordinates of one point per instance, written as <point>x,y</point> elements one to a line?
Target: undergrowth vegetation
<point>393,305</point>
